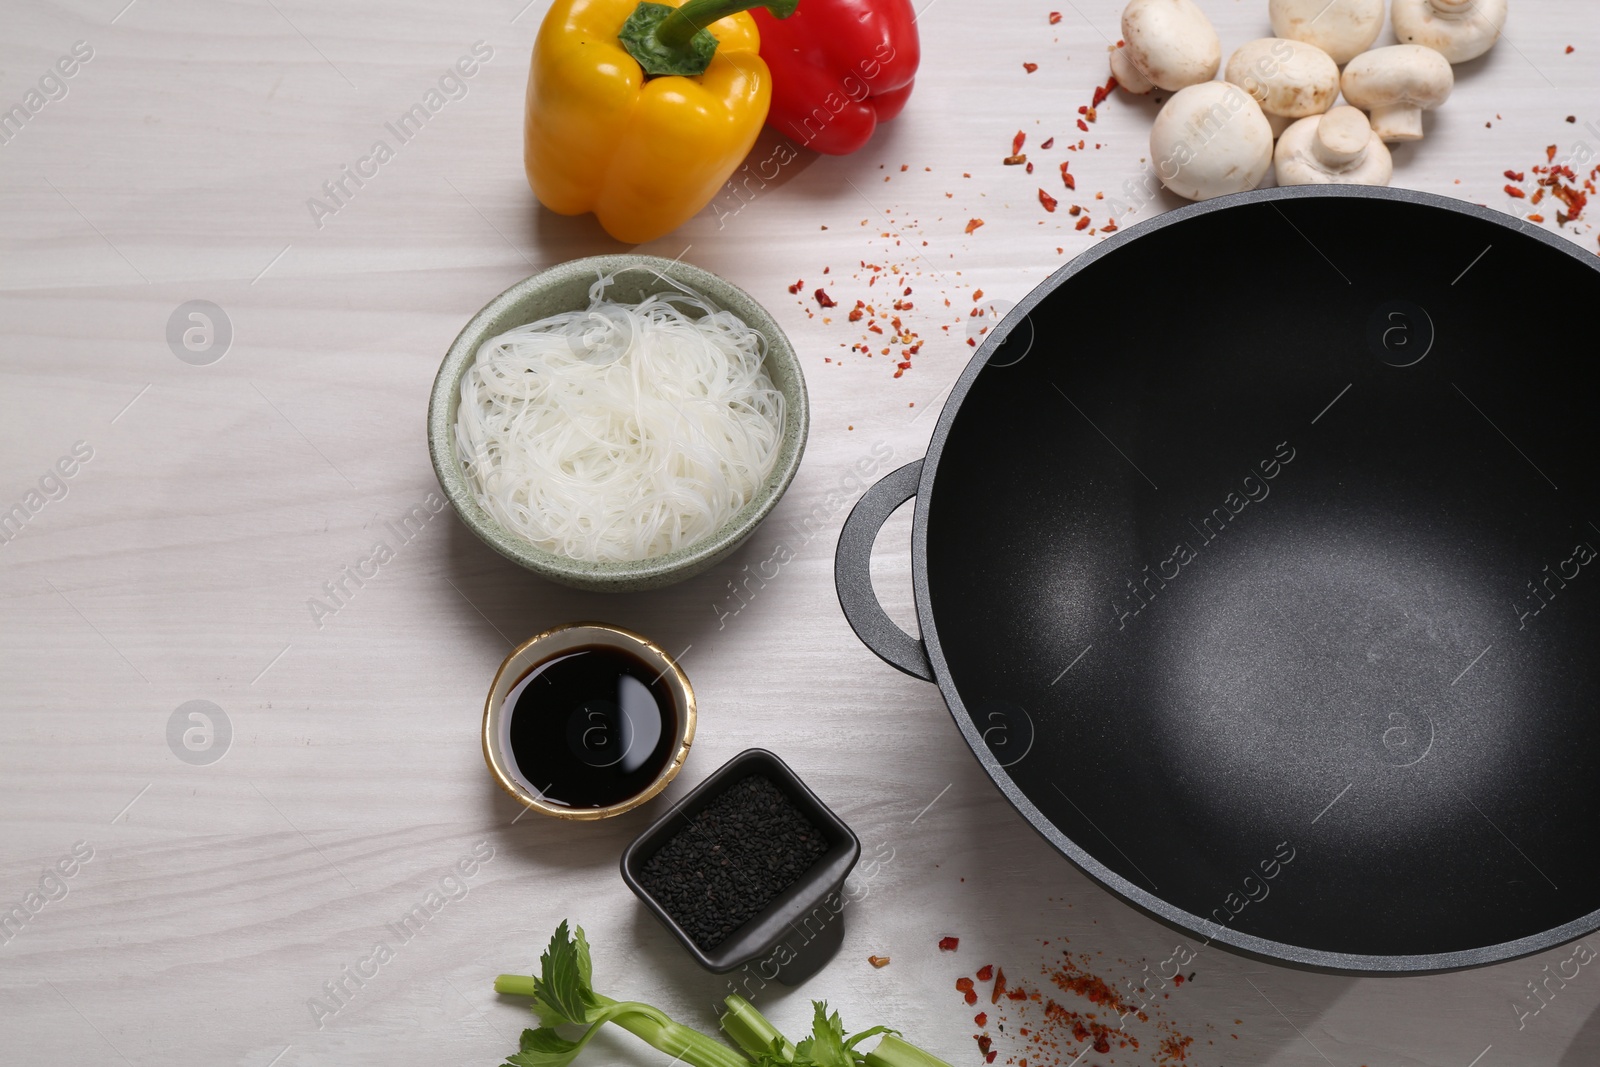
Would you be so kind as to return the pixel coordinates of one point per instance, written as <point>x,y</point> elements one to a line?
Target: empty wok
<point>1254,556</point>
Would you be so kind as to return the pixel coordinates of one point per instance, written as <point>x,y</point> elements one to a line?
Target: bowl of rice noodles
<point>618,423</point>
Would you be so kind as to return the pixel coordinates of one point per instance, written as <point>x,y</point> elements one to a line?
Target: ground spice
<point>731,858</point>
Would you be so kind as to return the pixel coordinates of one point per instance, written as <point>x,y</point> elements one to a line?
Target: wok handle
<point>852,573</point>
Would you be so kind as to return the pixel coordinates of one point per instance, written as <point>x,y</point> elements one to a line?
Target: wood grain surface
<point>178,561</point>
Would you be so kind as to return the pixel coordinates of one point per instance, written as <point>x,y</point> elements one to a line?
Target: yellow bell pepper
<point>639,112</point>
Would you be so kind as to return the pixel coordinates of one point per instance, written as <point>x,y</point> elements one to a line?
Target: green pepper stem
<point>677,28</point>
<point>667,40</point>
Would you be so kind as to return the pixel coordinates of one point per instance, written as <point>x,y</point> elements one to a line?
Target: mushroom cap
<point>1289,78</point>
<point>1211,139</point>
<point>1171,42</point>
<point>1459,30</point>
<point>1128,76</point>
<point>1343,29</point>
<point>1339,148</point>
<point>1401,75</point>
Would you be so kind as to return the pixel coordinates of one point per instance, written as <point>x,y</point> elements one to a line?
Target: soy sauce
<point>591,727</point>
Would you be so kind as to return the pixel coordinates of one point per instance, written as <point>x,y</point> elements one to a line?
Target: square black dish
<point>793,929</point>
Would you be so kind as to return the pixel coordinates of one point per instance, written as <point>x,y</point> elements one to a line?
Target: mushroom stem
<point>1341,138</point>
<point>1398,122</point>
<point>1453,8</point>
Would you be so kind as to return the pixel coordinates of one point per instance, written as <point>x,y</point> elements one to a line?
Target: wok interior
<point>1288,635</point>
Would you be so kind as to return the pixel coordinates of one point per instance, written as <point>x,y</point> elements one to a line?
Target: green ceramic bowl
<point>566,288</point>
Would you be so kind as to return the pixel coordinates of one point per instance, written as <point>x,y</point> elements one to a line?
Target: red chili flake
<point>823,299</point>
<point>977,294</point>
<point>1066,179</point>
<point>856,312</point>
<point>1047,200</point>
<point>1103,92</point>
<point>1083,223</point>
<point>1575,200</point>
<point>1538,195</point>
<point>878,330</point>
<point>1017,141</point>
<point>1012,161</point>
<point>1030,67</point>
<point>1535,218</point>
<point>1550,154</point>
<point>879,962</point>
<point>948,944</point>
<point>984,1042</point>
<point>985,974</point>
<point>1102,1044</point>
<point>1572,119</point>
<point>1030,168</point>
<point>1048,143</point>
<point>981,1019</point>
<point>1090,115</point>
<point>1055,17</point>
<point>1513,191</point>
<point>1074,210</point>
<point>990,1057</point>
<point>797,286</point>
<point>1516,175</point>
<point>1177,979</point>
<point>999,986</point>
<point>972,224</point>
<point>1083,125</point>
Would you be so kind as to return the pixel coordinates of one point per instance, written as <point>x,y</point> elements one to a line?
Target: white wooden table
<point>220,898</point>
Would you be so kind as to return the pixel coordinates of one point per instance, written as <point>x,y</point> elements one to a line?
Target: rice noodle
<point>623,431</point>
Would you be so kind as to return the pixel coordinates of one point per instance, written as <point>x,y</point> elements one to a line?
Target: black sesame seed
<point>733,856</point>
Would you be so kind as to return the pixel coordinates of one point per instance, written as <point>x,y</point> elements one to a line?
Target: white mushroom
<point>1397,84</point>
<point>1209,140</point>
<point>1342,28</point>
<point>1168,44</point>
<point>1459,30</point>
<point>1336,148</point>
<point>1128,76</point>
<point>1289,79</point>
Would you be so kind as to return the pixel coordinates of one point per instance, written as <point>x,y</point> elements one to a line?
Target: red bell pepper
<point>839,67</point>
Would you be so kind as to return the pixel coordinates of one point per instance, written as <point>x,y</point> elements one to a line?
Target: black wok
<point>1253,555</point>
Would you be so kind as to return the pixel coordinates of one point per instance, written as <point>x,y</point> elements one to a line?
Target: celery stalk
<point>893,1052</point>
<point>751,1031</point>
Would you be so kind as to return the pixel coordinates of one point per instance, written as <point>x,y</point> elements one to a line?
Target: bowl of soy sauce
<point>587,721</point>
